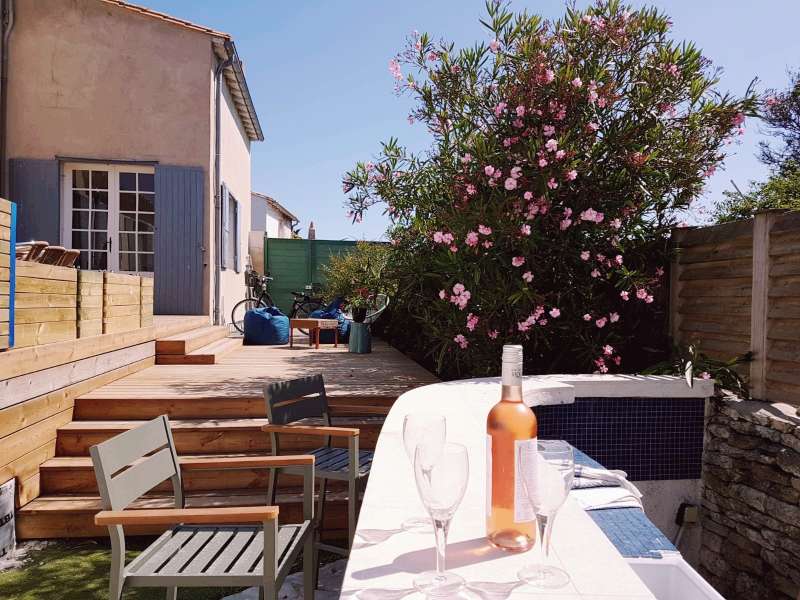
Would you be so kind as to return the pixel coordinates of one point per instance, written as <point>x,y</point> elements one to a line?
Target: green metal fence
<point>297,263</point>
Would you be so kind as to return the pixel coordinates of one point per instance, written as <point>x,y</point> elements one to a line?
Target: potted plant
<point>360,302</point>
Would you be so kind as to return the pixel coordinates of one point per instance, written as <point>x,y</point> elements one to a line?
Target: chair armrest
<point>245,462</point>
<point>312,430</point>
<point>190,516</point>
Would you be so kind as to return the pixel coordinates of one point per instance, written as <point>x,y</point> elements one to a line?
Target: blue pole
<point>13,275</point>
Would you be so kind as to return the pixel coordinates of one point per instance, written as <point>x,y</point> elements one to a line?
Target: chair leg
<point>172,594</point>
<point>318,533</point>
<point>268,592</point>
<point>309,568</point>
<point>352,498</point>
<point>272,486</point>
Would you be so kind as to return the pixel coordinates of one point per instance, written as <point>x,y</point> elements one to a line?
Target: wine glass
<point>547,470</point>
<point>422,429</point>
<point>441,482</point>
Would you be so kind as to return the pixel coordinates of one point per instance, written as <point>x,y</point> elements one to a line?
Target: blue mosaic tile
<point>648,438</point>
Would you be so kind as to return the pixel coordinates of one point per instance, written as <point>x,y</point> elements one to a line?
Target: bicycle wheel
<point>304,310</point>
<point>241,307</point>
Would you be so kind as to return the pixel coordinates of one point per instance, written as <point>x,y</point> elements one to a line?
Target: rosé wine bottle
<point>510,519</point>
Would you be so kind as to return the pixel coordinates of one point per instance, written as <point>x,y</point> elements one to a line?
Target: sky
<point>318,74</point>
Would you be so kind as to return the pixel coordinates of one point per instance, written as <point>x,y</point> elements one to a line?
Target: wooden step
<point>72,516</point>
<point>75,475</point>
<point>207,355</point>
<point>189,341</point>
<point>168,325</point>
<point>203,436</point>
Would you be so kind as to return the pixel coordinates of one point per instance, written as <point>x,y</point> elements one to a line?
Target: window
<point>231,235</point>
<point>108,213</point>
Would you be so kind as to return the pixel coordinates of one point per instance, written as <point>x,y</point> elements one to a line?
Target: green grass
<point>79,571</point>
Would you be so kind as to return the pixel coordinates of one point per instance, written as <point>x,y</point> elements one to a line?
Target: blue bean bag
<point>266,327</point>
<point>332,311</point>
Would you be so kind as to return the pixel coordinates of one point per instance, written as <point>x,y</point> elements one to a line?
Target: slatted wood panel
<point>90,303</point>
<point>5,273</point>
<point>122,298</point>
<point>736,288</point>
<point>46,304</point>
<point>146,302</point>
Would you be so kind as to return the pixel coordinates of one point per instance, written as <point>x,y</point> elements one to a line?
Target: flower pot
<point>359,314</point>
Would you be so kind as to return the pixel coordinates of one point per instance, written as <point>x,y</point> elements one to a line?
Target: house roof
<point>274,204</point>
<point>224,48</point>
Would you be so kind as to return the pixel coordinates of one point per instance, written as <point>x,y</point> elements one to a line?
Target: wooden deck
<point>215,409</point>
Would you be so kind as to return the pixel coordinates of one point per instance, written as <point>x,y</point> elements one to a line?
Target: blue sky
<point>318,74</point>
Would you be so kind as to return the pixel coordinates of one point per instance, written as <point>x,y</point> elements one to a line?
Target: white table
<point>385,559</point>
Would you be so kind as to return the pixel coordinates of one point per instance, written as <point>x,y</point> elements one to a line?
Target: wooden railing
<point>736,288</point>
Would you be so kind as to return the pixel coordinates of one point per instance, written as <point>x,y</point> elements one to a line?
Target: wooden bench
<point>314,326</point>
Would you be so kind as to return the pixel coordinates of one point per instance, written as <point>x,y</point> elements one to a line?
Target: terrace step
<point>72,516</point>
<point>205,436</point>
<point>75,475</point>
<point>168,325</point>
<point>189,341</point>
<point>207,355</point>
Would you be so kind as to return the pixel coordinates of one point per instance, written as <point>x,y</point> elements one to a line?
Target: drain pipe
<point>7,20</point>
<point>217,178</point>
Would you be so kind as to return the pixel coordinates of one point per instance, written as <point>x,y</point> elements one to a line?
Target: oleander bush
<point>562,152</point>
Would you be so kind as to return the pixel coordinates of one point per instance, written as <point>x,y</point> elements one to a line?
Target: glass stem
<point>544,525</point>
<point>440,529</point>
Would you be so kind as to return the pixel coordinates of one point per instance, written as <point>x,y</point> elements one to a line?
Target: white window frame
<point>113,169</point>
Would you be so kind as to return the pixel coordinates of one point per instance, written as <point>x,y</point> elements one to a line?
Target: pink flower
<point>576,83</point>
<point>467,158</point>
<point>608,350</point>
<point>493,334</point>
<point>511,184</point>
<point>705,375</point>
<point>471,189</point>
<point>518,261</point>
<point>520,110</point>
<point>738,119</point>
<point>648,299</point>
<point>542,162</point>
<point>624,295</point>
<point>659,271</point>
<point>613,317</point>
<point>527,276</point>
<point>548,130</point>
<point>453,248</point>
<point>572,175</point>
<point>601,322</point>
<point>516,172</point>
<point>589,214</point>
<point>500,108</point>
<point>458,289</point>
<point>585,255</point>
<point>641,293</point>
<point>549,76</point>
<point>528,195</point>
<point>487,244</point>
<point>461,341</point>
<point>595,273</point>
<point>494,45</point>
<point>542,322</point>
<point>472,321</point>
<point>565,224</point>
<point>560,154</point>
<point>437,237</point>
<point>394,69</point>
<point>551,145</point>
<point>433,56</point>
<point>593,96</point>
<point>442,294</point>
<point>616,223</point>
<point>525,229</point>
<point>593,126</point>
<point>551,183</point>
<point>617,359</point>
<point>489,170</point>
<point>472,239</point>
<point>618,259</point>
<point>555,313</point>
<point>484,230</point>
<point>587,317</point>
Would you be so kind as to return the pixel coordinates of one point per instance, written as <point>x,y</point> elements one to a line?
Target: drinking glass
<point>547,470</point>
<point>431,431</point>
<point>441,482</point>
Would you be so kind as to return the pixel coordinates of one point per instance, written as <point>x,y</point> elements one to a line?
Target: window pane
<point>146,262</point>
<point>100,180</point>
<point>100,219</point>
<point>146,182</point>
<point>99,240</point>
<point>127,221</point>
<point>145,242</point>
<point>146,222</point>
<point>80,240</point>
<point>99,261</point>
<point>127,202</point>
<point>146,202</point>
<point>80,179</point>
<point>83,260</point>
<point>80,219</point>
<point>127,242</point>
<point>80,199</point>
<point>100,200</point>
<point>127,261</point>
<point>127,181</point>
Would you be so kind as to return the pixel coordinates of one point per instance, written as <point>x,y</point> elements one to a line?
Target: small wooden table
<point>314,326</point>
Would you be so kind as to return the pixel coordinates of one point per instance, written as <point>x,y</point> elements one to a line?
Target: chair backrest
<point>134,462</point>
<point>381,302</point>
<point>297,399</point>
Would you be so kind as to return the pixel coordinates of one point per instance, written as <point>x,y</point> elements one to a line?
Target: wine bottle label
<point>523,510</point>
<point>488,475</point>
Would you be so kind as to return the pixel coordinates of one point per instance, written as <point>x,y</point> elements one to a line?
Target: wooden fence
<point>736,287</point>
<point>7,217</point>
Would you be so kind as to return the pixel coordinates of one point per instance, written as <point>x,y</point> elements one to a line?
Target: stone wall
<point>751,500</point>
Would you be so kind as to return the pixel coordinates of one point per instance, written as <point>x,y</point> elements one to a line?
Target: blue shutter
<point>33,186</point>
<point>237,237</point>
<point>179,250</point>
<point>224,258</point>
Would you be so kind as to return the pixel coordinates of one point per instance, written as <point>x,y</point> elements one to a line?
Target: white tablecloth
<point>385,559</point>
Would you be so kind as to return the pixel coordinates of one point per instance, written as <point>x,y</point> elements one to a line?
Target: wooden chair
<point>205,547</point>
<point>290,406</point>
